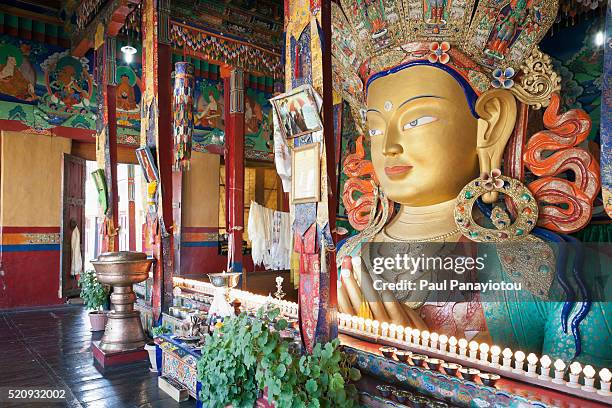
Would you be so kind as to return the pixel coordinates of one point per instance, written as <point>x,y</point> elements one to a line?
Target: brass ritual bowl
<point>224,280</point>
<point>121,270</point>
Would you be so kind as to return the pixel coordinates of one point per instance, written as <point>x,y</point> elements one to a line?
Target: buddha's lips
<point>397,170</point>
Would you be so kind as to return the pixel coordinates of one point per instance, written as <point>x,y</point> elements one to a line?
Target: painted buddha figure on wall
<point>439,116</point>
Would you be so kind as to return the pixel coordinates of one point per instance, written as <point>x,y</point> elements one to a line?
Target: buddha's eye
<point>375,132</point>
<point>423,120</point>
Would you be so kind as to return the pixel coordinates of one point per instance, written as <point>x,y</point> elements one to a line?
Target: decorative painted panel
<point>258,127</point>
<point>209,124</point>
<point>129,93</point>
<point>175,367</point>
<point>43,86</point>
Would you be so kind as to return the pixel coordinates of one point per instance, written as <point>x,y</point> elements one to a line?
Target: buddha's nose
<point>391,146</point>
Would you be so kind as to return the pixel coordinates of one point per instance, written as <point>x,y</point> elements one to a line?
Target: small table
<point>178,361</point>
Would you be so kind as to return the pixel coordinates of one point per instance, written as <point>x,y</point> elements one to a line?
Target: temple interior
<point>306,203</point>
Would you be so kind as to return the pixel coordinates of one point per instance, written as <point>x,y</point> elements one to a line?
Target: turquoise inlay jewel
<point>473,234</point>
<point>519,232</point>
<point>544,269</point>
<point>468,194</point>
<point>525,197</point>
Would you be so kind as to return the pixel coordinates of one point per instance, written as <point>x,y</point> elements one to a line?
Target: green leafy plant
<point>161,329</point>
<point>248,356</point>
<point>93,293</point>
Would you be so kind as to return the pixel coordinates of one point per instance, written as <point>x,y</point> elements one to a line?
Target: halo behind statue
<point>128,72</point>
<point>70,61</point>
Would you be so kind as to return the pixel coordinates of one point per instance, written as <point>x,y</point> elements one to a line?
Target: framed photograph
<point>147,162</point>
<point>306,174</point>
<point>297,112</point>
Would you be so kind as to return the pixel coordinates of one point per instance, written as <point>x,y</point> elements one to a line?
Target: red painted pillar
<point>330,146</point>
<point>131,209</point>
<point>234,164</point>
<point>111,92</point>
<point>165,145</point>
<point>107,137</point>
<point>156,133</point>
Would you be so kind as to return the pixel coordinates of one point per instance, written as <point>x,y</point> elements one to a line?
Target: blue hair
<point>469,92</point>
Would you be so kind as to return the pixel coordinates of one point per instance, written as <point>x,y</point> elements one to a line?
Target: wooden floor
<point>51,348</point>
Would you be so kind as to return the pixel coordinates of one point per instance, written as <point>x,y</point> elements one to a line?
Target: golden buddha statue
<point>439,112</point>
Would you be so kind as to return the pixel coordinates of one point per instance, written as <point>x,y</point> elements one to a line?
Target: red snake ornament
<point>358,192</point>
<point>565,206</point>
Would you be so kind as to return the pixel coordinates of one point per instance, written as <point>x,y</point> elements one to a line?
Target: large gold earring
<point>526,209</point>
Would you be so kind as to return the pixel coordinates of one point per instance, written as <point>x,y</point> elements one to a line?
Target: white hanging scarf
<point>76,267</point>
<point>282,155</point>
<point>256,233</point>
<point>269,233</point>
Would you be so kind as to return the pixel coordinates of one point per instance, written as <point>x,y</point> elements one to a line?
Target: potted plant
<point>95,295</point>
<point>246,358</point>
<point>150,346</point>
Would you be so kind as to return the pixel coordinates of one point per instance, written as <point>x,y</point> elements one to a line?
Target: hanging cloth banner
<point>182,109</point>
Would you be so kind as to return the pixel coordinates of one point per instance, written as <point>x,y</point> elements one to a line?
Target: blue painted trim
<point>208,244</point>
<point>30,247</point>
<point>237,267</point>
<point>158,359</point>
<point>469,92</point>
<point>199,404</point>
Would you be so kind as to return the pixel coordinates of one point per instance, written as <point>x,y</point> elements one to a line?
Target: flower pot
<point>97,320</point>
<point>152,350</point>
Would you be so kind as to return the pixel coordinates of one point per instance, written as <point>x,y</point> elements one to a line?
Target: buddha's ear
<point>497,111</point>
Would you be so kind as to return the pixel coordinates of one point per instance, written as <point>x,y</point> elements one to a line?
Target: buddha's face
<point>423,135</point>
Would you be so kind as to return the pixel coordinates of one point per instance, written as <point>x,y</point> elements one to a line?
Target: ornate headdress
<point>494,45</point>
<point>490,44</point>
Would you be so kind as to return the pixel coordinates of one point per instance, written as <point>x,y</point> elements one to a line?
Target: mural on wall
<point>209,132</point>
<point>43,86</point>
<point>258,126</point>
<point>208,116</point>
<point>129,93</point>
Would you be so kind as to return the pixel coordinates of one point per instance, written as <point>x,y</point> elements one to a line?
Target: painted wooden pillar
<point>165,152</point>
<point>606,118</point>
<point>106,136</point>
<point>234,164</point>
<point>111,92</point>
<point>331,162</point>
<point>131,208</point>
<point>309,25</point>
<point>156,133</point>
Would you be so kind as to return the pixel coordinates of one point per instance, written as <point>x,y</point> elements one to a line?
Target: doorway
<point>129,182</point>
<point>81,210</point>
<point>73,218</point>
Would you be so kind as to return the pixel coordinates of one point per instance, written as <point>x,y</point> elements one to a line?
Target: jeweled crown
<point>491,43</point>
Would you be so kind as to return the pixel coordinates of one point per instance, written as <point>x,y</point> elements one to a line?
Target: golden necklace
<point>431,239</point>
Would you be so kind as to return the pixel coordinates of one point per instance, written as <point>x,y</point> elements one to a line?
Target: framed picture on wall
<point>306,174</point>
<point>297,112</point>
<point>147,162</point>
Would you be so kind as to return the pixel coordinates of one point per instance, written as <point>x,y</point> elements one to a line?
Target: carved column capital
<point>237,91</point>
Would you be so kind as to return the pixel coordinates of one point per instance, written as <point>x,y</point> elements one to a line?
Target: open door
<point>73,209</point>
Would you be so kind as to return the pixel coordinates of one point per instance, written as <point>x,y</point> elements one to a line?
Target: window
<point>262,185</point>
